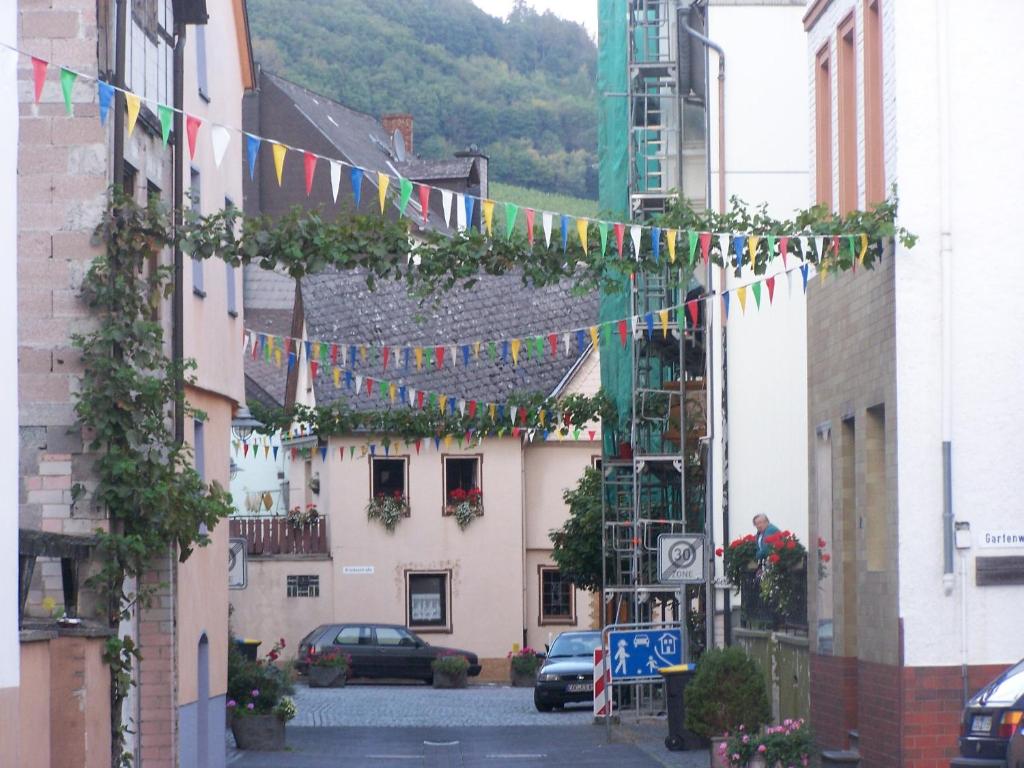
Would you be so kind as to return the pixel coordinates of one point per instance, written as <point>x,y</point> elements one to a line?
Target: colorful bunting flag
<point>220,138</point>
<point>636,234</point>
<point>279,151</point>
<point>656,243</point>
<point>581,230</point>
<point>192,124</point>
<point>39,76</point>
<point>487,209</point>
<point>67,84</point>
<point>670,236</point>
<point>106,98</point>
<point>529,225</point>
<point>132,104</point>
<point>741,293</point>
<point>382,189</point>
<point>619,229</point>
<point>166,116</point>
<point>564,226</point>
<point>309,166</point>
<point>602,229</point>
<point>356,179</point>
<point>335,179</point>
<point>252,148</point>
<point>405,194</point>
<point>546,221</point>
<point>424,192</point>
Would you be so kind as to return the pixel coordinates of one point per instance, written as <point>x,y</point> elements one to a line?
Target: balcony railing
<point>782,607</point>
<point>279,536</point>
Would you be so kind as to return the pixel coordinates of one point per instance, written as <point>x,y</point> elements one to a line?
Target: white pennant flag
<point>359,384</point>
<point>723,244</point>
<point>514,410</point>
<point>565,341</point>
<point>804,246</point>
<point>412,396</point>
<point>462,407</point>
<point>220,137</point>
<point>635,234</point>
<point>246,340</point>
<point>823,246</point>
<point>446,205</point>
<point>335,178</point>
<point>460,212</point>
<point>451,356</point>
<point>546,221</point>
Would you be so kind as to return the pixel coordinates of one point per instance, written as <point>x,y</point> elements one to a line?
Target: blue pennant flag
<point>504,351</point>
<point>406,354</point>
<point>465,355</point>
<point>451,406</point>
<point>323,453</point>
<point>403,394</point>
<point>803,273</point>
<point>656,243</point>
<point>348,379</point>
<point>275,453</point>
<point>501,412</point>
<point>357,184</point>
<point>581,339</point>
<point>352,355</point>
<point>252,148</point>
<point>737,246</point>
<point>291,361</point>
<point>309,351</point>
<point>546,433</point>
<point>470,201</point>
<point>106,97</point>
<point>649,319</point>
<point>565,232</point>
<point>373,449</point>
<point>387,449</point>
<point>437,443</point>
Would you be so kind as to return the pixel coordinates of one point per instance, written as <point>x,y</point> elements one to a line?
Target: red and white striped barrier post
<point>602,685</point>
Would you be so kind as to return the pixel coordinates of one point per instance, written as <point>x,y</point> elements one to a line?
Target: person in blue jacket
<point>764,530</point>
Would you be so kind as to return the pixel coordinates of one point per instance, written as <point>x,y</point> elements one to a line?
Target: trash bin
<point>676,679</point>
<point>248,648</point>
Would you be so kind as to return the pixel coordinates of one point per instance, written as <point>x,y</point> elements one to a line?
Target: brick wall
<point>833,699</point>
<point>157,682</point>
<point>879,714</point>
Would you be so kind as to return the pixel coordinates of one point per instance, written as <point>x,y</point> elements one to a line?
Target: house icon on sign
<point>667,645</point>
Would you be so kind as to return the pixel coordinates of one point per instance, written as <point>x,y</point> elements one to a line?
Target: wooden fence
<point>277,536</point>
<point>785,660</point>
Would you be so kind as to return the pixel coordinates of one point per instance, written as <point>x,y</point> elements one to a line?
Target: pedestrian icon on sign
<point>621,659</point>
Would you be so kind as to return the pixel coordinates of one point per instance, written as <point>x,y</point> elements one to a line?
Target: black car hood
<point>571,665</point>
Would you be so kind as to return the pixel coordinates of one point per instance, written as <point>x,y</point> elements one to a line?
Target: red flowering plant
<point>783,573</point>
<point>297,516</point>
<point>332,657</point>
<point>823,559</point>
<point>258,687</point>
<point>525,662</point>
<point>389,509</point>
<point>464,505</point>
<point>740,559</point>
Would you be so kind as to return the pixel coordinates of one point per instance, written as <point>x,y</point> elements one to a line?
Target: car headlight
<point>547,678</point>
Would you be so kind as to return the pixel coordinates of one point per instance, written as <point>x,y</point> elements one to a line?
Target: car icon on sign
<point>642,640</point>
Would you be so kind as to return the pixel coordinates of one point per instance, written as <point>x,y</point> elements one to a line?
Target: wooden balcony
<point>269,536</point>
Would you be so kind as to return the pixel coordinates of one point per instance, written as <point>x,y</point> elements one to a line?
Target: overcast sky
<point>583,11</point>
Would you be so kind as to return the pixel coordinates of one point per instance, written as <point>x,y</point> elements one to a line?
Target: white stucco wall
<point>9,347</point>
<point>985,166</point>
<point>766,107</point>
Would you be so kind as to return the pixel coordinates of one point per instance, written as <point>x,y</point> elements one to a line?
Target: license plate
<point>981,724</point>
<point>579,687</point>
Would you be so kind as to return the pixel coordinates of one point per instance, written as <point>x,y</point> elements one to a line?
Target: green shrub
<point>450,664</point>
<point>525,662</point>
<point>727,691</point>
<point>257,687</point>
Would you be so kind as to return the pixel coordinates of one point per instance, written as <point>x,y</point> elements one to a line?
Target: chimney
<point>403,123</point>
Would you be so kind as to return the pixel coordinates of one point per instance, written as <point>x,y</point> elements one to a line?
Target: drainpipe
<point>178,309</point>
<point>121,21</point>
<point>709,500</point>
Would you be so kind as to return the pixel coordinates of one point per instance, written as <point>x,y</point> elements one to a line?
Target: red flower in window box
<point>464,505</point>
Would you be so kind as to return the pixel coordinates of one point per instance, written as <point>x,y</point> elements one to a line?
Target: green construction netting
<point>613,155</point>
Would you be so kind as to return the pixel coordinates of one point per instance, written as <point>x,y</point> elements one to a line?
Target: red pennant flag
<point>835,245</point>
<point>619,231</point>
<point>622,331</point>
<point>592,433</point>
<point>419,399</point>
<point>245,449</point>
<point>439,356</point>
<point>691,307</point>
<point>567,419</point>
<point>515,431</point>
<point>39,75</point>
<point>295,452</point>
<point>522,416</point>
<point>313,367</point>
<point>334,354</point>
<point>309,160</point>
<point>418,443</point>
<point>341,450</point>
<point>472,408</point>
<point>192,124</point>
<point>529,225</point>
<point>553,343</point>
<point>425,201</point>
<point>369,385</point>
<point>705,245</point>
<point>770,282</point>
<point>386,355</point>
<point>784,248</point>
<point>287,345</point>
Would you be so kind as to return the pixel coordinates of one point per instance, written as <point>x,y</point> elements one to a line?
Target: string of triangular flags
<point>341,359</point>
<point>578,228</point>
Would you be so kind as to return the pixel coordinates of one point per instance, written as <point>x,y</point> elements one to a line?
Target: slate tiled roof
<point>265,383</point>
<point>340,308</point>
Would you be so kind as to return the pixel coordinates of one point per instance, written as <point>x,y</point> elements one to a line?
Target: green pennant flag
<point>539,347</point>
<point>406,189</point>
<point>166,118</point>
<point>351,451</point>
<point>771,247</point>
<point>428,357</point>
<point>757,293</point>
<point>693,246</point>
<point>67,81</point>
<point>853,248</point>
<point>492,350</point>
<point>432,402</point>
<point>385,386</point>
<point>511,211</point>
<point>602,227</point>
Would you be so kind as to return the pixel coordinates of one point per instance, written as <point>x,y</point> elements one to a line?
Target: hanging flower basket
<point>389,510</point>
<point>464,506</point>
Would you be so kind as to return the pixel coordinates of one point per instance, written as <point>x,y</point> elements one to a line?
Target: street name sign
<point>639,654</point>
<point>681,558</point>
<point>238,573</point>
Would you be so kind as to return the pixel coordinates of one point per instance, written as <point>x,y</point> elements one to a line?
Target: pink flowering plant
<point>787,745</point>
<point>525,662</point>
<point>258,687</point>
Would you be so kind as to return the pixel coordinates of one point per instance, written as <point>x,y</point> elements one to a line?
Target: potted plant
<point>465,505</point>
<point>298,517</point>
<point>258,702</point>
<point>329,669</point>
<point>388,509</point>
<point>524,666</point>
<point>450,670</point>
<point>727,692</point>
<point>785,745</point>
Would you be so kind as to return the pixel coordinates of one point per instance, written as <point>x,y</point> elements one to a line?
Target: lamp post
<point>244,423</point>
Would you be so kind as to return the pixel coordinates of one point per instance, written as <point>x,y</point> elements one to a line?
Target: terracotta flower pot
<point>264,733</point>
<point>327,676</point>
<point>718,758</point>
<point>449,679</point>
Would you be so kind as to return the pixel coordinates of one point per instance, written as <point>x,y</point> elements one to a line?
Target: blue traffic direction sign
<point>641,653</point>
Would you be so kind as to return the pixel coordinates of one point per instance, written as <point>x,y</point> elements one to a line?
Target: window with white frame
<point>557,597</point>
<point>428,601</point>
<point>303,586</point>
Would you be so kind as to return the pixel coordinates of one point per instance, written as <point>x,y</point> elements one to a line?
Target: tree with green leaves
<point>577,549</point>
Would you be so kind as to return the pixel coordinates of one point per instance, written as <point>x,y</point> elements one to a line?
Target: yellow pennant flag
<point>581,230</point>
<point>516,343</point>
<point>671,245</point>
<point>442,401</point>
<point>277,357</point>
<point>362,353</point>
<point>752,242</point>
<point>382,188</point>
<point>419,358</point>
<point>542,415</point>
<point>742,293</point>
<point>488,208</point>
<point>280,150</point>
<point>663,316</point>
<point>392,389</point>
<point>491,409</point>
<point>447,441</point>
<point>593,336</point>
<point>863,247</point>
<point>132,102</point>
<point>337,377</point>
<point>476,350</point>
